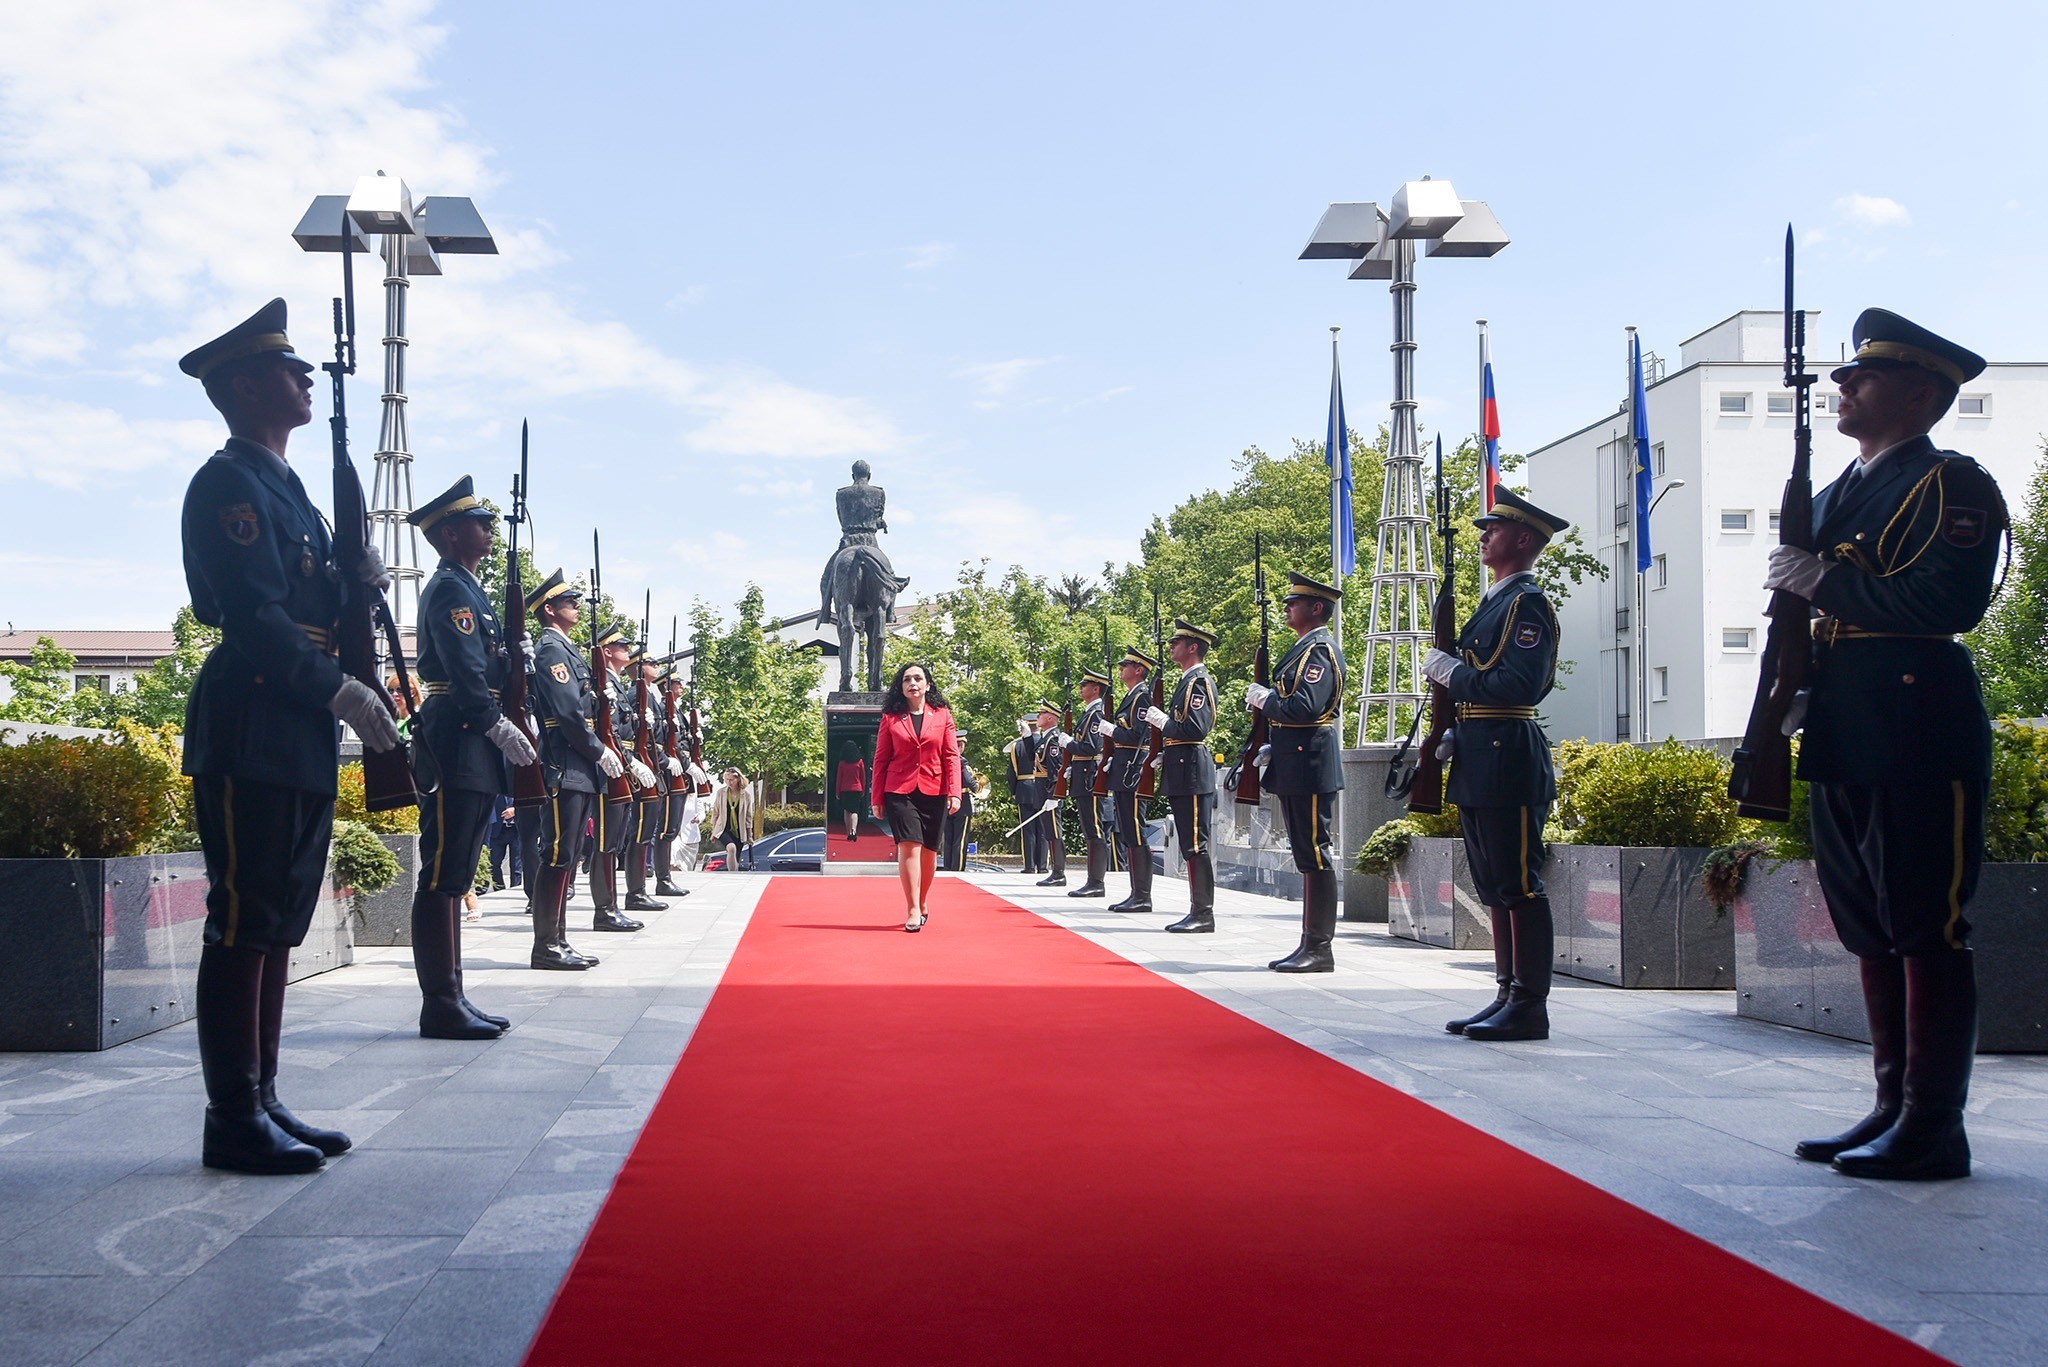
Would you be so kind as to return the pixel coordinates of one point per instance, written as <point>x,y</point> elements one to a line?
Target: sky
<point>1035,263</point>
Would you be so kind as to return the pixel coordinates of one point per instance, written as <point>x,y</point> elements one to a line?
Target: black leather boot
<point>636,881</point>
<point>1201,917</point>
<point>240,1135</point>
<point>277,965</point>
<point>604,896</point>
<point>1140,900</point>
<point>1884,1002</point>
<point>442,1014</point>
<point>502,1022</point>
<point>1318,927</point>
<point>1098,858</point>
<point>1503,972</point>
<point>664,871</point>
<point>549,951</point>
<point>1526,1016</point>
<point>1928,1144</point>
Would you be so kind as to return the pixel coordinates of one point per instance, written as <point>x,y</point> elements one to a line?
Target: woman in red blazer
<point>917,781</point>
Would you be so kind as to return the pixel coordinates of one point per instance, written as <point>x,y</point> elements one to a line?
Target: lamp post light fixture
<point>411,237</point>
<point>1381,245</point>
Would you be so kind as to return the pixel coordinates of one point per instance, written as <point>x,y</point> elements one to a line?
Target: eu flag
<point>1337,455</point>
<point>1639,432</point>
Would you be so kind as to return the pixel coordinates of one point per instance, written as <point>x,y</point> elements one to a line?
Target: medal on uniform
<point>306,561</point>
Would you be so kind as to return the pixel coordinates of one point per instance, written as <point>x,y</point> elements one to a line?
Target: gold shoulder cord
<point>1902,521</point>
<point>1507,630</point>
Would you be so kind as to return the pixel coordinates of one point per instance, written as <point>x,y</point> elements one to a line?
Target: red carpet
<point>993,1142</point>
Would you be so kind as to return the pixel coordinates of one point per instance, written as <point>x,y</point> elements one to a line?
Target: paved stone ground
<point>479,1167</point>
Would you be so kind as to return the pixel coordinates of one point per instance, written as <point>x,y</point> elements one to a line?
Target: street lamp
<point>1381,245</point>
<point>1643,621</point>
<point>412,237</point>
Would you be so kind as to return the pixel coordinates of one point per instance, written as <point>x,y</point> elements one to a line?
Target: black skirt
<point>916,817</point>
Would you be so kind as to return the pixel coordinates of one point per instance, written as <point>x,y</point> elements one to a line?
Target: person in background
<point>504,845</point>
<point>954,857</point>
<point>732,818</point>
<point>690,833</point>
<point>850,783</point>
<point>917,781</point>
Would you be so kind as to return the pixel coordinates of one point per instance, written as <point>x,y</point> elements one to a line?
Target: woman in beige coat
<point>730,825</point>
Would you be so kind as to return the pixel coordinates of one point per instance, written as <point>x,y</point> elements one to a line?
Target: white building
<point>110,661</point>
<point>1722,424</point>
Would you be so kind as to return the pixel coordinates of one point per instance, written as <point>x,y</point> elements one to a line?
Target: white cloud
<point>1873,211</point>
<point>927,255</point>
<point>77,446</point>
<point>996,380</point>
<point>1009,528</point>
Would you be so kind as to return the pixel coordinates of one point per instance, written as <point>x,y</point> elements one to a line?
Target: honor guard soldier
<point>1897,745</point>
<point>1305,768</point>
<point>1046,758</point>
<point>1085,751</point>
<point>682,782</point>
<point>260,740</point>
<point>1187,770</point>
<point>1501,777</point>
<point>1130,739</point>
<point>1025,789</point>
<point>574,762</point>
<point>462,745</point>
<point>616,822</point>
<point>651,803</point>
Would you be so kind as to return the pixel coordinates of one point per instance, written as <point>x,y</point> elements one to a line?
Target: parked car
<point>800,850</point>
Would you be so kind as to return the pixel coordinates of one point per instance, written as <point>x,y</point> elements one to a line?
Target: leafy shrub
<point>780,816</point>
<point>484,878</point>
<point>2016,819</point>
<point>83,798</point>
<point>361,863</point>
<point>1385,846</point>
<point>1575,759</point>
<point>1726,869</point>
<point>348,806</point>
<point>1672,795</point>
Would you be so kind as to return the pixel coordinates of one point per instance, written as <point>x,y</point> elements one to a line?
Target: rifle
<point>618,789</point>
<point>1247,784</point>
<point>1761,780</point>
<point>1148,777</point>
<point>1059,782</point>
<point>529,783</point>
<point>1104,745</point>
<point>643,742</point>
<point>387,778</point>
<point>1420,778</point>
<point>672,697</point>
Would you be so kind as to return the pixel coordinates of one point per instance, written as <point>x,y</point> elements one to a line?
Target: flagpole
<point>1485,503</point>
<point>1332,459</point>
<point>1642,528</point>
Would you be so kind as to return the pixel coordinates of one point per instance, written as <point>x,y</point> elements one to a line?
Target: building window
<point>1826,403</point>
<point>1776,518</point>
<point>1973,406</point>
<point>1657,457</point>
<point>1624,690</point>
<point>1737,638</point>
<point>1661,571</point>
<point>1734,405</point>
<point>1660,680</point>
<point>1778,403</point>
<point>80,682</point>
<point>1735,519</point>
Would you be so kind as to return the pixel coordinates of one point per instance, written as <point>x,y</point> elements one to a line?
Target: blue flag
<point>1337,455</point>
<point>1639,432</point>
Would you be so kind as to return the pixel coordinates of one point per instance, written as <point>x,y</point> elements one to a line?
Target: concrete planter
<point>1791,969</point>
<point>1430,897</point>
<point>385,918</point>
<point>103,951</point>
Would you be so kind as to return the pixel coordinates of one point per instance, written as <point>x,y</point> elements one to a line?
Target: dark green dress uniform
<point>676,736</point>
<point>650,805</point>
<point>1049,751</point>
<point>1306,772</point>
<point>1084,752</point>
<point>262,750</point>
<point>1028,792</point>
<point>1129,747</point>
<point>569,752</point>
<point>1897,748</point>
<point>462,668</point>
<point>614,822</point>
<point>1187,778</point>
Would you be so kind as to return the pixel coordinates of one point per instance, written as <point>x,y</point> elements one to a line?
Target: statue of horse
<point>860,588</point>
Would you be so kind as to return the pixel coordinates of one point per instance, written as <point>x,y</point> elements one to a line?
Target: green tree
<point>760,697</point>
<point>41,689</point>
<point>2011,645</point>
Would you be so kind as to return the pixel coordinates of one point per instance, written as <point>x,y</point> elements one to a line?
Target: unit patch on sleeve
<point>1313,674</point>
<point>238,524</point>
<point>465,620</point>
<point>1529,635</point>
<point>1962,527</point>
<point>559,671</point>
<point>1198,699</point>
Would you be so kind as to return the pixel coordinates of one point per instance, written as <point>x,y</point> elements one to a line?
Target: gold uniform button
<point>1906,678</point>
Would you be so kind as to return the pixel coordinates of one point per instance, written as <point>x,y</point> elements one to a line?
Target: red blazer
<point>906,762</point>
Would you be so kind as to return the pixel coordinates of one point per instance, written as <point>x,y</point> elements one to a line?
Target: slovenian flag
<point>1337,454</point>
<point>1489,424</point>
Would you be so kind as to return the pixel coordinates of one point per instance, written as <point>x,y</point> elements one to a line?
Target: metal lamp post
<point>411,240</point>
<point>1643,626</point>
<point>1381,244</point>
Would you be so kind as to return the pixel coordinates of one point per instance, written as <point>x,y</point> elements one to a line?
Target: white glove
<point>506,736</point>
<point>526,649</point>
<point>608,763</point>
<point>675,767</point>
<point>368,715</point>
<point>1263,758</point>
<point>647,718</point>
<point>1448,746</point>
<point>1103,727</point>
<point>642,775</point>
<point>697,775</point>
<point>1255,695</point>
<point>1795,715</point>
<point>1023,728</point>
<point>1155,716</point>
<point>1439,666</point>
<point>1796,571</point>
<point>370,569</point>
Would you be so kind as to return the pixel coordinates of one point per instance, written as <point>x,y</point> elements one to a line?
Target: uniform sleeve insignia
<point>1962,527</point>
<point>1313,674</point>
<point>559,671</point>
<point>1529,635</point>
<point>238,524</point>
<point>465,620</point>
<point>1198,699</point>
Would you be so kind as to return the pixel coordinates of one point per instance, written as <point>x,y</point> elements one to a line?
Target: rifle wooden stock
<point>618,789</point>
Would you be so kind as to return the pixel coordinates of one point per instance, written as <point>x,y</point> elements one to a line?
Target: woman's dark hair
<point>895,704</point>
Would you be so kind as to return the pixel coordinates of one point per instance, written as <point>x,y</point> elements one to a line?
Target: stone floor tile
<point>55,1321</point>
<point>470,1318</point>
<point>384,1194</point>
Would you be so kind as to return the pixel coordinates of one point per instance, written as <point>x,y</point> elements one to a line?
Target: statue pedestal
<point>851,721</point>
